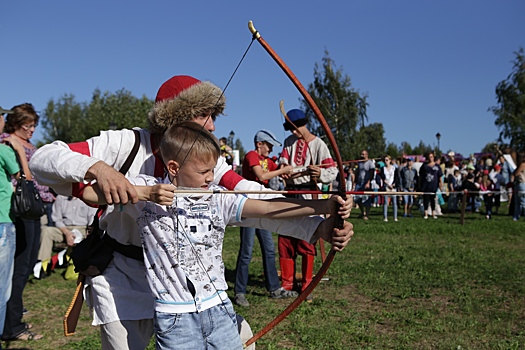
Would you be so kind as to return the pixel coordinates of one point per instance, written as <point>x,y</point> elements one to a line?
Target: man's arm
<point>68,168</point>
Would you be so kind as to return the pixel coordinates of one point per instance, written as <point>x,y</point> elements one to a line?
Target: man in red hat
<point>122,303</point>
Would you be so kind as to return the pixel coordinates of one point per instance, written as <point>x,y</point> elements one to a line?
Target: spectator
<point>409,180</point>
<point>8,167</point>
<point>429,181</point>
<point>365,174</point>
<point>499,186</point>
<point>69,213</point>
<point>470,186</point>
<point>390,178</point>
<point>452,187</point>
<point>487,186</point>
<point>258,166</point>
<point>226,150</point>
<point>519,186</point>
<point>20,125</point>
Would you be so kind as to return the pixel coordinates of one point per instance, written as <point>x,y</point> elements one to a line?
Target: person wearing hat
<point>302,149</point>
<point>120,297</point>
<point>258,166</point>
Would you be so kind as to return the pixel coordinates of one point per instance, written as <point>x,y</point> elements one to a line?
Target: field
<point>412,284</point>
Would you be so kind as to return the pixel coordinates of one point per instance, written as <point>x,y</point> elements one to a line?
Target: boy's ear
<point>172,167</point>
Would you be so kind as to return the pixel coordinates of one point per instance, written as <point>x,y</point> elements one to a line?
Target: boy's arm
<point>267,175</point>
<point>283,208</point>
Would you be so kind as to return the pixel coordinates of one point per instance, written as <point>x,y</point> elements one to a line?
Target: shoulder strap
<point>127,164</point>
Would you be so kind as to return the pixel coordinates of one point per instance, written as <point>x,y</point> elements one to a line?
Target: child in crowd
<point>182,237</point>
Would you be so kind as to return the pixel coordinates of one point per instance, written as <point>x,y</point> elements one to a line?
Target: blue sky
<point>426,66</point>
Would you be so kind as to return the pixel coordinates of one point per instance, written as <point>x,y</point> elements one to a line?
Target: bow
<point>341,190</point>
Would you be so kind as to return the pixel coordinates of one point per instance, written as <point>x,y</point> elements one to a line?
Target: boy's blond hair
<point>188,141</point>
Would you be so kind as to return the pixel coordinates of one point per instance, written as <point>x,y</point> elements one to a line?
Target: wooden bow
<point>342,185</point>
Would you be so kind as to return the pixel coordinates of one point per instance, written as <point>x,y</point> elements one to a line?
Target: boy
<point>302,149</point>
<point>182,239</point>
<point>258,166</point>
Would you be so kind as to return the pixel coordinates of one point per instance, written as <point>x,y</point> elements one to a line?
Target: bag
<point>93,255</point>
<point>26,202</point>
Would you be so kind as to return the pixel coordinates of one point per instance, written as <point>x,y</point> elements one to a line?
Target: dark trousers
<point>27,243</point>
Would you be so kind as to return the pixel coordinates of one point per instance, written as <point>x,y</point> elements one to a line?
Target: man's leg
<point>268,254</point>
<point>287,261</point>
<point>243,261</point>
<point>49,235</point>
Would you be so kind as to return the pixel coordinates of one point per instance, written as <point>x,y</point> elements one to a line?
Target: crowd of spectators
<point>488,180</point>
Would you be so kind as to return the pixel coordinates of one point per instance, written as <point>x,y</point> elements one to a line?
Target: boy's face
<point>299,132</point>
<point>264,148</point>
<point>196,174</point>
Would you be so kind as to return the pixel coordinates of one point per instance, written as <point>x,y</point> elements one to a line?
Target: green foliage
<point>370,137</point>
<point>343,107</point>
<point>510,111</point>
<point>72,121</point>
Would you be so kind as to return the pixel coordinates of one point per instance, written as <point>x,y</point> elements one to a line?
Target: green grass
<point>412,284</point>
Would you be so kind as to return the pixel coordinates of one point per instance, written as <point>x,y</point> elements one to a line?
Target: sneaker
<point>365,217</point>
<point>405,215</point>
<point>435,217</point>
<point>395,219</point>
<point>283,293</point>
<point>425,217</point>
<point>240,299</point>
<point>385,220</point>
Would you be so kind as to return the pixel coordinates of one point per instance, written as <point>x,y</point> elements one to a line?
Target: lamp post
<point>230,138</point>
<point>438,137</point>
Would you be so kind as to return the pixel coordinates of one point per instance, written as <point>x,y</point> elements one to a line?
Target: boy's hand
<point>339,238</point>
<point>161,194</point>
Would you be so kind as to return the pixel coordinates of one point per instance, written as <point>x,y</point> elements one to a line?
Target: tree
<point>63,120</point>
<point>342,106</point>
<point>392,150</point>
<point>510,111</point>
<point>371,137</point>
<point>71,121</point>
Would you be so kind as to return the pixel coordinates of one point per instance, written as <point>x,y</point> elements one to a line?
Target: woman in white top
<point>390,177</point>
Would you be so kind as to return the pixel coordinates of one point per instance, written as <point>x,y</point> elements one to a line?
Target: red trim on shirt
<point>77,188</point>
<point>230,180</point>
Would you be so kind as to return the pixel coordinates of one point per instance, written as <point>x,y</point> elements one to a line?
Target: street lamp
<point>438,137</point>
<point>230,138</point>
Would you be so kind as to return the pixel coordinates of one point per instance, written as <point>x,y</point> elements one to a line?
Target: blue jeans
<point>245,256</point>
<point>519,202</point>
<point>27,244</point>
<point>7,264</point>
<point>393,200</point>
<point>214,328</point>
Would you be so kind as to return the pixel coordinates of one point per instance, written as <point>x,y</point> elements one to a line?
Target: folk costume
<point>300,153</point>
